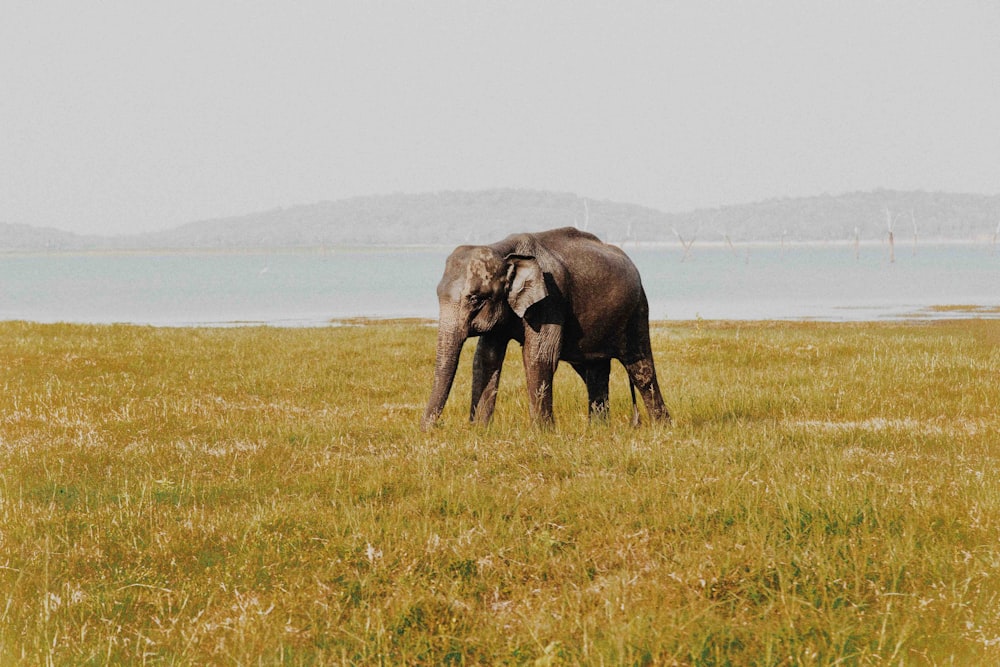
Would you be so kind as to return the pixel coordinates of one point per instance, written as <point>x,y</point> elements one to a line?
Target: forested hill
<point>451,218</point>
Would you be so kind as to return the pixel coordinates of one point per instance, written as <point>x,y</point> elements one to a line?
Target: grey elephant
<point>564,295</point>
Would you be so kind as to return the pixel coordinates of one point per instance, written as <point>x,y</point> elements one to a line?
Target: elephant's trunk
<point>449,346</point>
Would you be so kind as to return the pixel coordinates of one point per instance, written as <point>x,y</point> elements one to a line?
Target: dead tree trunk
<point>729,242</point>
<point>686,244</point>
<point>890,223</point>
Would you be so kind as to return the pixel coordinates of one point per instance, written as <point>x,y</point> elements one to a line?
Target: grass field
<point>827,494</point>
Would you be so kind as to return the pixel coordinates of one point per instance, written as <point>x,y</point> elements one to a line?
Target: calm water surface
<point>299,289</point>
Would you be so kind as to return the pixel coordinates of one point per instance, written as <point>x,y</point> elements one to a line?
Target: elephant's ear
<point>525,283</point>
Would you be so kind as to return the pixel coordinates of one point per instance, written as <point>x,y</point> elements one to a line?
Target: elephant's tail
<point>635,408</point>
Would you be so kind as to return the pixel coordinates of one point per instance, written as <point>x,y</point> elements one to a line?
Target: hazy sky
<point>129,116</point>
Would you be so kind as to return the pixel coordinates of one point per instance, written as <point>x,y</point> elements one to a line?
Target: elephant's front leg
<point>541,357</point>
<point>486,366</point>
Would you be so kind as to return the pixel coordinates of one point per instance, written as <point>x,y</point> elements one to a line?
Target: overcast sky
<point>130,116</point>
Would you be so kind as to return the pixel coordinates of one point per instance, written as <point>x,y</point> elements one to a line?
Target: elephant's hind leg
<point>642,373</point>
<point>595,375</point>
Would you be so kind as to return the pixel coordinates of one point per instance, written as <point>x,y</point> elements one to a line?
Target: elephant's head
<point>481,289</point>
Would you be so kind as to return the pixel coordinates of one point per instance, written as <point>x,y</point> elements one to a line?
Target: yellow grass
<point>827,495</point>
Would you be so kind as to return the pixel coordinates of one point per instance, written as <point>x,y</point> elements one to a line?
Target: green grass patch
<point>827,494</point>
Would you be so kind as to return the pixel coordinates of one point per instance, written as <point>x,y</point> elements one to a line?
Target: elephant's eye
<point>475,300</point>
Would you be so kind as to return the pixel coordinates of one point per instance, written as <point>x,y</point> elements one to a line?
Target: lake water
<point>826,282</point>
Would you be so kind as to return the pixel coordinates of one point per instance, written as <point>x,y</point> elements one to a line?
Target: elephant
<point>563,294</point>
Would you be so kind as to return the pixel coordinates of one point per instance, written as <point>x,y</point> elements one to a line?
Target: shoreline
<point>924,315</point>
<point>901,243</point>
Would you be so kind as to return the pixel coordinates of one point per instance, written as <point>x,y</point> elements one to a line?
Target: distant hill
<point>934,215</point>
<point>38,239</point>
<point>451,218</point>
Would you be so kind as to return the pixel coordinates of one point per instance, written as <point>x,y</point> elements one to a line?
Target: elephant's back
<point>604,292</point>
<point>590,260</point>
